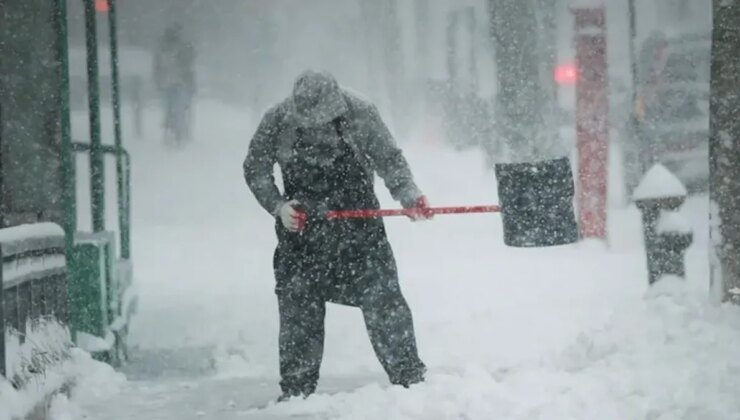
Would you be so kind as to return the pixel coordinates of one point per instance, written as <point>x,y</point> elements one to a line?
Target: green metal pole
<point>67,158</point>
<point>115,89</point>
<point>97,164</point>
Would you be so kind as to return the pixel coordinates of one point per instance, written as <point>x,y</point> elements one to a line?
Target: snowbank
<point>45,343</point>
<point>89,379</point>
<point>47,348</point>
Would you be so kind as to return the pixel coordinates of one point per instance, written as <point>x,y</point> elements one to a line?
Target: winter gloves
<point>421,211</point>
<point>294,220</point>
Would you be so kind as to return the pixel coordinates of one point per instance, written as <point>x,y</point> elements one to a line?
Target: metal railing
<point>33,279</point>
<point>124,194</point>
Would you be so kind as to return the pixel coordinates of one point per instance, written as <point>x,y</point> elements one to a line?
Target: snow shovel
<point>536,205</point>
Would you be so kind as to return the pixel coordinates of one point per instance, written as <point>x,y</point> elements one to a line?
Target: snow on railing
<point>33,297</point>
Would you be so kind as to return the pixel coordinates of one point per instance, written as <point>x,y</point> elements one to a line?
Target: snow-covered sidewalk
<point>560,333</point>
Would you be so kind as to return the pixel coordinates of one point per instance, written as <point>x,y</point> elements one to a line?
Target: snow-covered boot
<point>288,395</point>
<point>410,377</point>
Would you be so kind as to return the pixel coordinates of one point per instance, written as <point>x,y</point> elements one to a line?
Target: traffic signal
<point>101,6</point>
<point>566,74</point>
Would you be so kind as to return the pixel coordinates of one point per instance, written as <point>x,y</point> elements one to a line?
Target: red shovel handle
<point>366,214</point>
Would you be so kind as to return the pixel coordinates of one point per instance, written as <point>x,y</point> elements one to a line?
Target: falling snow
<point>248,121</point>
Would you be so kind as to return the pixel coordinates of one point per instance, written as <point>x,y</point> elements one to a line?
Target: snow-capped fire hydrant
<point>666,233</point>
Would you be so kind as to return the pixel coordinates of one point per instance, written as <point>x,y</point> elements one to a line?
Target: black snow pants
<point>348,262</point>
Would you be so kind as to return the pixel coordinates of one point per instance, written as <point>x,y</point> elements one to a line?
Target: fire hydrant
<point>667,235</point>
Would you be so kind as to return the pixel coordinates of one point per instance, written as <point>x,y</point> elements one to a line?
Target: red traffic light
<point>566,74</point>
<point>101,6</point>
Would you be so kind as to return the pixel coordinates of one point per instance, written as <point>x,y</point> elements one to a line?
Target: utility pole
<point>724,152</point>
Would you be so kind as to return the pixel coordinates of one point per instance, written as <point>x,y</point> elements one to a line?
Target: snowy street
<point>562,333</point>
<point>151,270</point>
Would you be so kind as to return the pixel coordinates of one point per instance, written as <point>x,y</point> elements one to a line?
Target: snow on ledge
<point>30,231</point>
<point>659,182</point>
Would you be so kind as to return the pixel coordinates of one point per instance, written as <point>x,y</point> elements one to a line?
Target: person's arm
<point>259,165</point>
<point>390,163</point>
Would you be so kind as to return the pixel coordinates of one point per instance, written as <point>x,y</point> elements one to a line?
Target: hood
<point>316,99</point>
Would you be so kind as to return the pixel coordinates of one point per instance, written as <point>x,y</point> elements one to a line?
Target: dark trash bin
<point>537,203</point>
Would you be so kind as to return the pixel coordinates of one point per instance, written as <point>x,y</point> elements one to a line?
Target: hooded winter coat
<point>317,100</point>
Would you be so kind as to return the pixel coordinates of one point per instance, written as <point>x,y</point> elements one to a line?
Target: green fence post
<point>97,164</point>
<point>115,93</point>
<point>89,286</point>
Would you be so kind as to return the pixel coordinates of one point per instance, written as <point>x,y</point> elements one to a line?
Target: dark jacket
<point>367,136</point>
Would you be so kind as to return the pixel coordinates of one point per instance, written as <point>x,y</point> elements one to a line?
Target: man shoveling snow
<point>329,144</point>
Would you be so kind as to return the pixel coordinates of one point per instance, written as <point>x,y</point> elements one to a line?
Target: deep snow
<point>561,333</point>
<point>93,381</point>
